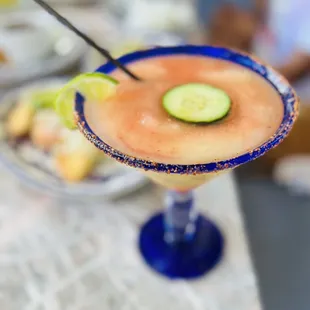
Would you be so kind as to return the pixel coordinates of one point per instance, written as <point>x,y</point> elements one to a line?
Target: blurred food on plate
<point>45,131</point>
<point>75,157</point>
<point>20,119</point>
<point>3,57</point>
<point>33,118</point>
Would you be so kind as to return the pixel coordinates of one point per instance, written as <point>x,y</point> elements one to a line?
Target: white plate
<point>73,48</point>
<point>35,167</point>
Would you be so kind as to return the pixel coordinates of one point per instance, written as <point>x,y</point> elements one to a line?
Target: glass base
<point>182,260</point>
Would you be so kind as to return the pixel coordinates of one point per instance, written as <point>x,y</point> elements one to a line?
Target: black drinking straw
<point>87,39</point>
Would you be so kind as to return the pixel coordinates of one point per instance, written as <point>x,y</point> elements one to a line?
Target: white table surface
<point>65,255</point>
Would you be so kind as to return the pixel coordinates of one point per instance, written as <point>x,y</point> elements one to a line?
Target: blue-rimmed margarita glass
<point>181,243</point>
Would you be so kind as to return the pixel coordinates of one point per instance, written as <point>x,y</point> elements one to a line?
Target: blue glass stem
<point>180,243</point>
<point>180,217</point>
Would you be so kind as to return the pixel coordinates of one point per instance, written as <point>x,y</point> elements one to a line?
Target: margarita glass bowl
<point>180,242</point>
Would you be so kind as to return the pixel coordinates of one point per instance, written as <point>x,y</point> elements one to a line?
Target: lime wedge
<point>95,87</point>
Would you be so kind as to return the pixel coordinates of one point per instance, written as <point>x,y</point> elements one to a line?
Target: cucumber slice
<point>197,103</point>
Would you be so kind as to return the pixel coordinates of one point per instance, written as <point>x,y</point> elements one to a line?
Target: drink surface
<point>134,122</point>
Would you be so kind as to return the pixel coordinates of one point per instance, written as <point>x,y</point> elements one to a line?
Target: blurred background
<point>38,55</point>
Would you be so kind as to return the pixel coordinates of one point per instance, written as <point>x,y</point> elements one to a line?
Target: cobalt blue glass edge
<point>288,96</point>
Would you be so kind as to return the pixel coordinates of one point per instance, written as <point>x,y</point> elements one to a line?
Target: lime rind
<point>93,87</point>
